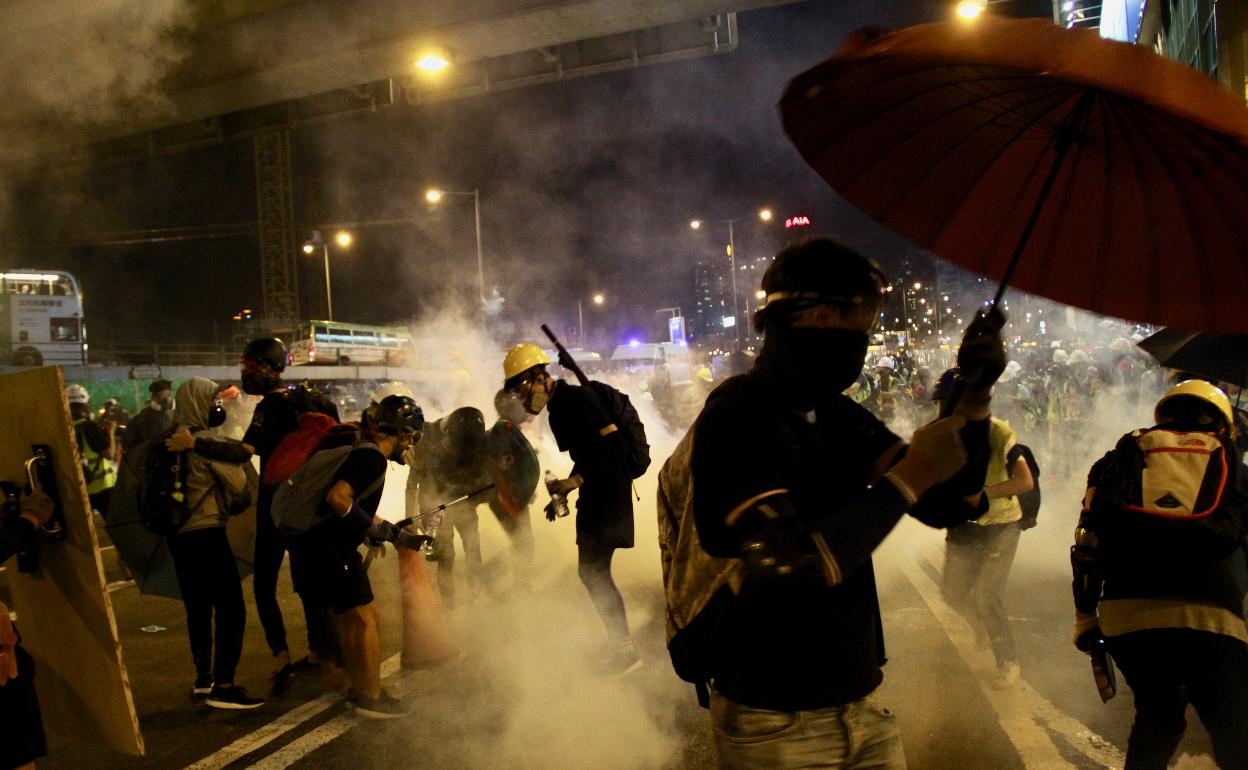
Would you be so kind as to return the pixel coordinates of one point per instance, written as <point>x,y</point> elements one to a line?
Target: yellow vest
<point>1001,439</point>
<point>97,471</point>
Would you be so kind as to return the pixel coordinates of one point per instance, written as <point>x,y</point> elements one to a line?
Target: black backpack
<point>1028,501</point>
<point>625,417</point>
<point>161,494</point>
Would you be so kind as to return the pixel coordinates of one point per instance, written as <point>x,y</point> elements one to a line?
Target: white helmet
<point>1013,367</point>
<point>391,388</point>
<point>76,394</point>
<point>1060,356</point>
<point>885,362</point>
<point>1078,357</point>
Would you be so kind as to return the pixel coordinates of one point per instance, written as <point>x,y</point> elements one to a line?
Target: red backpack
<point>298,445</point>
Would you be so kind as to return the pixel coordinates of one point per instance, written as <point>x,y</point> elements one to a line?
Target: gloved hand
<point>943,507</point>
<point>412,540</point>
<point>970,479</point>
<point>981,356</point>
<point>381,532</point>
<point>563,486</point>
<point>551,515</point>
<point>39,507</point>
<point>181,440</point>
<point>779,548</point>
<point>1026,523</point>
<point>1087,630</point>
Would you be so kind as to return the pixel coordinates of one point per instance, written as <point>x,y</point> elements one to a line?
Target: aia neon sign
<point>792,222</point>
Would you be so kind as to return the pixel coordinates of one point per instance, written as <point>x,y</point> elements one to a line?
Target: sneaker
<point>203,685</point>
<point>1009,673</point>
<point>384,706</point>
<point>232,697</point>
<point>622,659</point>
<point>283,680</point>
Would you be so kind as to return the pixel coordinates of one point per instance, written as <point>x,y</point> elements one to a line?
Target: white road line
<point>315,739</point>
<point>279,727</point>
<point>1025,715</point>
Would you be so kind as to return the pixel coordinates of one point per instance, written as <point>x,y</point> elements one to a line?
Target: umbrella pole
<point>1065,135</point>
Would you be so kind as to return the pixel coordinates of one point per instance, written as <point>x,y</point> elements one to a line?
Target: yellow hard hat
<point>523,357</point>
<point>1207,392</point>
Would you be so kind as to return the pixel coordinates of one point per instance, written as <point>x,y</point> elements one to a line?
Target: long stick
<point>565,358</point>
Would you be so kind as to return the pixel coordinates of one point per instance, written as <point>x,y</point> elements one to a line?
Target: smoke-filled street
<point>623,384</point>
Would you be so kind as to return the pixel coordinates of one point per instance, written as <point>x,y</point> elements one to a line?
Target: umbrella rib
<point>1002,222</point>
<point>869,120</point>
<point>1200,257</point>
<point>992,118</point>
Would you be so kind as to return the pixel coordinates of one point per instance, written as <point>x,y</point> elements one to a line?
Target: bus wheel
<point>27,357</point>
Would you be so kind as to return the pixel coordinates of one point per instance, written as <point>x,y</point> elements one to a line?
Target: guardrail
<point>164,355</point>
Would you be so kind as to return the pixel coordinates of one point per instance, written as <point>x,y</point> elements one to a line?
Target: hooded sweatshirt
<point>209,483</point>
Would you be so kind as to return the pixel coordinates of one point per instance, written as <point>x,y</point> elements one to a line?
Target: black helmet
<point>465,430</point>
<point>396,415</point>
<point>267,350</point>
<point>818,271</point>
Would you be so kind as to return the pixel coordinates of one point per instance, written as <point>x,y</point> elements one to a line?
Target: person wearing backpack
<point>346,516</point>
<point>770,509</point>
<point>207,571</point>
<point>980,553</point>
<point>597,426</point>
<point>1158,576</point>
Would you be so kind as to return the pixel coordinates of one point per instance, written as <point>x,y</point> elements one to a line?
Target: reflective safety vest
<point>97,470</point>
<point>1001,439</point>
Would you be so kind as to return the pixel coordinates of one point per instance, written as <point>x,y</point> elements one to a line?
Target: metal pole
<point>732,262</point>
<point>329,297</point>
<point>580,323</point>
<point>476,207</point>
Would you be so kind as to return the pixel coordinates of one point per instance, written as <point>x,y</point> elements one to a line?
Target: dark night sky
<point>587,185</point>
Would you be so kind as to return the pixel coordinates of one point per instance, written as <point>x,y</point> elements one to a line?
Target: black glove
<point>413,541</point>
<point>381,532</point>
<point>1026,523</point>
<point>981,356</point>
<point>943,507</point>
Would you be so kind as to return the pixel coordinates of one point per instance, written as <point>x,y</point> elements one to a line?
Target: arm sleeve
<point>222,451</point>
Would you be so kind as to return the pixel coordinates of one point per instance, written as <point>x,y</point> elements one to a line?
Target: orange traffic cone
<point>426,642</point>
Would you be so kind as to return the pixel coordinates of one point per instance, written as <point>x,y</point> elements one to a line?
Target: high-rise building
<point>712,299</point>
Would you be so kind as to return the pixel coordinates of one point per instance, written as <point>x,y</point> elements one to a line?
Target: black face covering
<point>812,363</point>
<point>256,384</point>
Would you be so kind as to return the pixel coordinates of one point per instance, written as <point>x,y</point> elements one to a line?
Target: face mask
<point>216,415</point>
<point>164,404</point>
<point>815,363</point>
<point>402,447</point>
<point>535,402</point>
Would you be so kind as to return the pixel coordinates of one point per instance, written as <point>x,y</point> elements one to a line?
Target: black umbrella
<point>1222,357</point>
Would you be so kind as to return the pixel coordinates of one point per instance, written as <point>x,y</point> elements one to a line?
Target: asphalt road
<point>524,694</point>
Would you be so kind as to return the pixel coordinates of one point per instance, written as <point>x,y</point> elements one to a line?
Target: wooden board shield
<point>63,609</point>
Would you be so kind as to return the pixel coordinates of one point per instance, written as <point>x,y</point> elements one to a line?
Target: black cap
<point>465,429</point>
<point>267,350</point>
<point>818,271</point>
<point>159,385</point>
<point>397,414</point>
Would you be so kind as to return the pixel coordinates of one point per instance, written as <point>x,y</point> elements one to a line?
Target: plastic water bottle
<point>558,502</point>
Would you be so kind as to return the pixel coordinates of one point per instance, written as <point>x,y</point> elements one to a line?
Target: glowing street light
<point>434,196</point>
<point>434,60</point>
<point>971,9</point>
<point>765,215</point>
<point>343,238</point>
<point>309,248</point>
<point>599,298</point>
<point>695,224</point>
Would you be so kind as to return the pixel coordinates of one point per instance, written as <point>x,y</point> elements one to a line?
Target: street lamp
<point>343,239</point>
<point>434,196</point>
<point>434,60</point>
<point>598,299</point>
<point>696,224</point>
<point>970,9</point>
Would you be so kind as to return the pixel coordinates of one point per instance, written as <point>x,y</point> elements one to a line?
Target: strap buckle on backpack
<point>704,694</point>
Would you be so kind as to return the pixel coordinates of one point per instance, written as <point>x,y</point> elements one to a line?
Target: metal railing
<point>163,355</point>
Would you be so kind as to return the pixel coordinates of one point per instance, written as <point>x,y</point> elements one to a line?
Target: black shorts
<point>21,724</point>
<point>330,569</point>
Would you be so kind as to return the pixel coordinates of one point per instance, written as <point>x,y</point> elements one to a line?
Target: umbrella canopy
<point>1115,179</point>
<point>1222,357</point>
<point>147,554</point>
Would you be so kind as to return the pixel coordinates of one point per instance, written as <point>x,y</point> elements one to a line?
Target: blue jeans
<point>861,734</point>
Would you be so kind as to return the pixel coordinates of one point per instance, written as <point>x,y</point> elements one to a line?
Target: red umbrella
<point>1095,173</point>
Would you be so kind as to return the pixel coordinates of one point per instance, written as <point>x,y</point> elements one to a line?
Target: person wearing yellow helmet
<point>1157,575</point>
<point>585,428</point>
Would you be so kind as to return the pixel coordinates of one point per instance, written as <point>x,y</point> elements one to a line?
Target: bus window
<point>64,329</point>
<point>340,336</point>
<point>63,288</point>
<point>320,334</point>
<point>364,338</point>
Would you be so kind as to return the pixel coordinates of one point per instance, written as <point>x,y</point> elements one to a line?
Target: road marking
<point>279,727</point>
<point>1027,717</point>
<point>315,739</point>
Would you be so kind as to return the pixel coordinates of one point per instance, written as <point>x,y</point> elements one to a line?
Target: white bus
<point>41,319</point>
<point>334,342</point>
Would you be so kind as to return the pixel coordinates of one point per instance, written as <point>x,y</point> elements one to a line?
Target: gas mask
<point>404,448</point>
<point>163,404</point>
<point>216,415</point>
<point>535,398</point>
